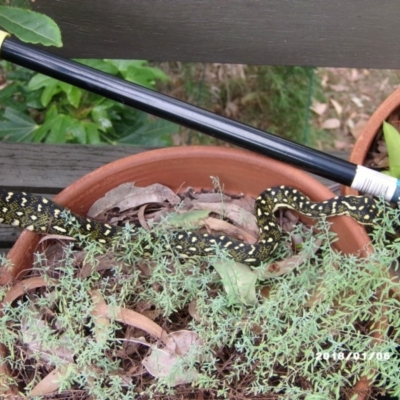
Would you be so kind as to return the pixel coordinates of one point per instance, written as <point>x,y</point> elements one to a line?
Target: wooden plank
<point>341,33</point>
<point>42,168</point>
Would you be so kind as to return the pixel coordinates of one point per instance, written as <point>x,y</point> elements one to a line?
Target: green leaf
<point>124,65</point>
<point>30,26</point>
<point>190,219</point>
<point>92,132</point>
<point>100,115</point>
<point>101,65</point>
<point>49,91</point>
<point>153,132</point>
<point>73,93</point>
<point>392,139</point>
<point>239,281</point>
<point>38,81</point>
<point>16,126</point>
<point>61,128</point>
<point>51,87</point>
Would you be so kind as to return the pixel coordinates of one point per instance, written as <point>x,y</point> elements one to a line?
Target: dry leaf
<point>285,266</point>
<point>160,362</point>
<point>357,128</point>
<point>128,196</point>
<point>235,213</point>
<point>331,123</point>
<point>357,101</point>
<point>338,108</point>
<point>50,383</point>
<point>211,197</point>
<point>319,108</point>
<point>339,88</point>
<point>126,316</point>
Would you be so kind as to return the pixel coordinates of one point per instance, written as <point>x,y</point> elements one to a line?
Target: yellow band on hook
<point>3,35</point>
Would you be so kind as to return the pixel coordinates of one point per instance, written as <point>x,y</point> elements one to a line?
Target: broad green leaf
<point>101,65</point>
<point>152,133</point>
<point>16,126</point>
<point>61,128</point>
<point>100,115</point>
<point>30,26</point>
<point>73,93</point>
<point>92,132</point>
<point>124,65</point>
<point>51,87</point>
<point>49,91</point>
<point>190,219</point>
<point>392,139</point>
<point>239,281</point>
<point>39,80</point>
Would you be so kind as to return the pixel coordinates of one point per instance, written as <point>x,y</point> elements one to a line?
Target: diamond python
<point>42,215</point>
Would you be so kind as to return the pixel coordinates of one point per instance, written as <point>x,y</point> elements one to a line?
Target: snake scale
<point>42,215</point>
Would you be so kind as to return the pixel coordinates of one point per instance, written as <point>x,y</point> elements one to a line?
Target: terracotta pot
<point>371,129</point>
<point>239,171</point>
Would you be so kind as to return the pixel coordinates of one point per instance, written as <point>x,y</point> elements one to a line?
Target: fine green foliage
<point>295,339</point>
<point>30,26</point>
<point>392,140</point>
<point>37,108</point>
<point>272,98</point>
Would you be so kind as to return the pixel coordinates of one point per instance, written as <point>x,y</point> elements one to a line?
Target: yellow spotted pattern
<point>41,215</point>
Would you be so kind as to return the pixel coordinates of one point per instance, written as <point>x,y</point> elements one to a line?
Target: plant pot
<point>238,171</point>
<point>371,129</point>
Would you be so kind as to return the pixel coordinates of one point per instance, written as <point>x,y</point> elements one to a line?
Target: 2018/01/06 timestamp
<point>362,356</point>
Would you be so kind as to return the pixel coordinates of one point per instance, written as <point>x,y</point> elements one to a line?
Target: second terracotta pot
<point>363,144</point>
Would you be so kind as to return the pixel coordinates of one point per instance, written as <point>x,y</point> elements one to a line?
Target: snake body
<point>41,215</point>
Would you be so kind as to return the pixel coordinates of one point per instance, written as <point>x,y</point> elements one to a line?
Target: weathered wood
<point>50,168</point>
<point>357,33</point>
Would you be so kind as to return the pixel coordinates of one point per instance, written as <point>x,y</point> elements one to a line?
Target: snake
<point>44,216</point>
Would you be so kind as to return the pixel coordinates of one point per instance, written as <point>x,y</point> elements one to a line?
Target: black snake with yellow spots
<point>41,215</point>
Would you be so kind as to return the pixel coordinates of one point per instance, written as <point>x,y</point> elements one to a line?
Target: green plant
<point>392,140</point>
<point>29,26</point>
<point>276,99</point>
<point>36,108</point>
<point>250,335</point>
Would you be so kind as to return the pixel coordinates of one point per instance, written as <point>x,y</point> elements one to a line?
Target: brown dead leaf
<point>235,213</point>
<point>128,196</point>
<point>331,123</point>
<point>211,197</point>
<point>193,311</point>
<point>160,362</point>
<point>127,316</point>
<point>228,229</point>
<point>287,265</point>
<point>50,383</point>
<point>357,101</point>
<point>319,108</point>
<point>357,128</point>
<point>104,262</point>
<point>141,217</point>
<point>20,288</point>
<point>338,108</point>
<point>339,88</point>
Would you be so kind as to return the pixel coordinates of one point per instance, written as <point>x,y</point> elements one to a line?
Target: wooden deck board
<point>341,33</point>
